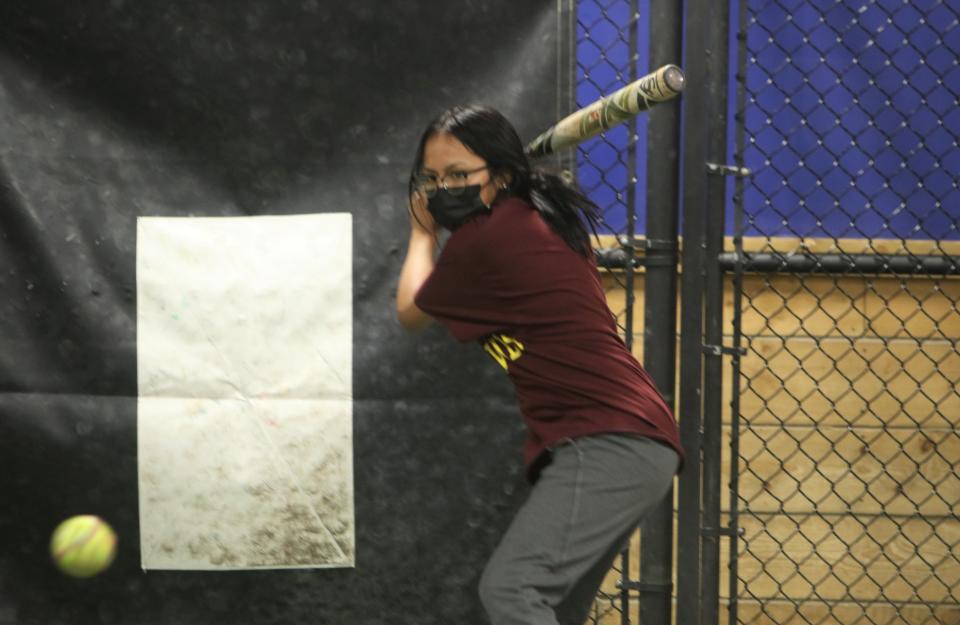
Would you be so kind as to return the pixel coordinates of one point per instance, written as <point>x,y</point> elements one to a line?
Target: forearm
<point>417,267</point>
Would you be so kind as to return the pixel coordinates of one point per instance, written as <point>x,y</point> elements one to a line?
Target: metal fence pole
<point>736,320</point>
<point>566,160</point>
<point>660,301</point>
<point>694,193</point>
<point>720,170</point>
<point>607,39</point>
<point>629,274</point>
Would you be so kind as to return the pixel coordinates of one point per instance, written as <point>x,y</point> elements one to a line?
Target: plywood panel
<point>779,612</point>
<point>616,301</point>
<point>916,307</point>
<point>608,613</point>
<point>850,559</point>
<point>819,306</point>
<point>855,382</point>
<point>871,415</point>
<point>614,286</point>
<point>752,612</point>
<point>790,305</point>
<point>838,470</point>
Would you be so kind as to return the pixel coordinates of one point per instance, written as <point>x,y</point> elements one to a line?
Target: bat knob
<point>674,78</point>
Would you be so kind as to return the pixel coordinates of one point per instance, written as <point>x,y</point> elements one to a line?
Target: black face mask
<point>451,211</point>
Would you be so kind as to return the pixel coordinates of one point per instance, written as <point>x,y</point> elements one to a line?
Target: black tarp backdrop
<point>113,110</point>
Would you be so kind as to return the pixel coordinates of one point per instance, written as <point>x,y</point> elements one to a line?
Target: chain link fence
<point>846,296</point>
<point>611,170</point>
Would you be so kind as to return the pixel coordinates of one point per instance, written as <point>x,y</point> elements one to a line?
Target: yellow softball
<point>83,545</point>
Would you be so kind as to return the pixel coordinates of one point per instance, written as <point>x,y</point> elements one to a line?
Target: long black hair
<point>489,135</point>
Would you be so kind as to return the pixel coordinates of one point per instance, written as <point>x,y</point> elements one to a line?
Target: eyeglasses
<point>453,183</point>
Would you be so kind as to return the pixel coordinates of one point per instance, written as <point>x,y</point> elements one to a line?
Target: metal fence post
<point>660,301</point>
<point>695,106</point>
<point>720,172</point>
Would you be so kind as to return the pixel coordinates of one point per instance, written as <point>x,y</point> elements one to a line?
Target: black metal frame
<point>657,254</point>
<point>736,264</point>
<point>566,160</point>
<point>628,586</point>
<point>660,301</point>
<point>806,262</point>
<point>706,266</point>
<point>703,109</point>
<point>704,102</point>
<point>737,288</point>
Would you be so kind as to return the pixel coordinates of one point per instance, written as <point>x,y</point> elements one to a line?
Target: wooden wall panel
<point>917,308</point>
<point>841,613</point>
<point>789,305</point>
<point>850,382</point>
<point>836,559</point>
<point>857,471</point>
<point>850,447</point>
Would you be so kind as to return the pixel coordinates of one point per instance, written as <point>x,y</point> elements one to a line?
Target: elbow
<point>412,318</point>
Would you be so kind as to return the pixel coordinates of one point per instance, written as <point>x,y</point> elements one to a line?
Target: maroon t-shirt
<point>508,280</point>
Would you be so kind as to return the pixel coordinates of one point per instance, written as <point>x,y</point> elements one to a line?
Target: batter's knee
<point>490,590</point>
<point>500,596</point>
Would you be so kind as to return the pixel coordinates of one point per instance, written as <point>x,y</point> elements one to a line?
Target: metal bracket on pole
<point>655,245</point>
<point>718,169</point>
<point>721,531</point>
<point>645,586</point>
<point>658,252</point>
<point>723,350</point>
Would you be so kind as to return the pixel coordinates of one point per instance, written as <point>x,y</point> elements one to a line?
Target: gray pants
<point>582,511</point>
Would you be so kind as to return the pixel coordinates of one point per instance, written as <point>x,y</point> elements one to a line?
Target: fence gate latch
<point>727,170</point>
<point>727,530</point>
<point>664,588</point>
<point>723,350</point>
<point>653,245</point>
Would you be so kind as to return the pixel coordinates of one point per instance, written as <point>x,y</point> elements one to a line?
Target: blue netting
<point>604,59</point>
<point>851,124</point>
<point>852,119</point>
<point>603,66</point>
